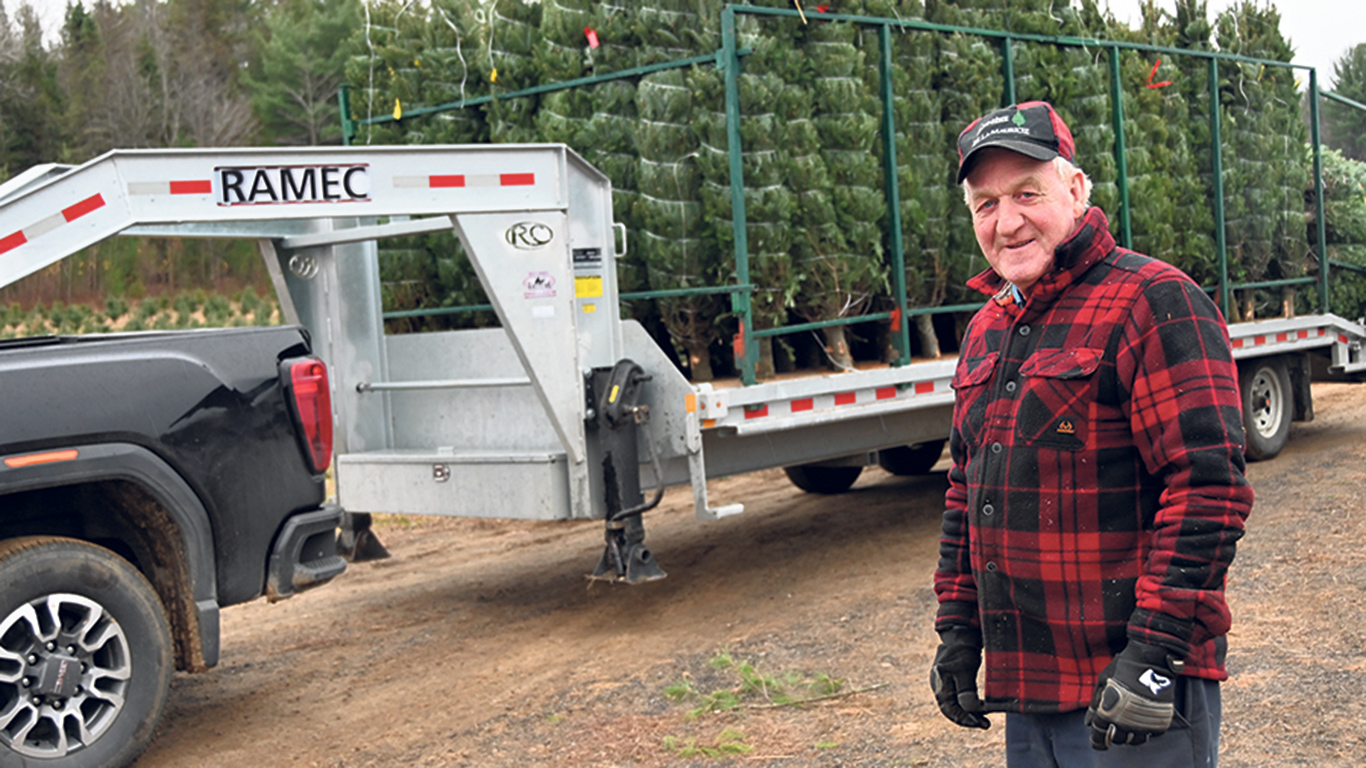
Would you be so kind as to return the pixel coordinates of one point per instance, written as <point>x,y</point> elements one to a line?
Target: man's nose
<point>1009,216</point>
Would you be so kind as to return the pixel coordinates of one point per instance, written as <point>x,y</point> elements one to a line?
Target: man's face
<point>1022,210</point>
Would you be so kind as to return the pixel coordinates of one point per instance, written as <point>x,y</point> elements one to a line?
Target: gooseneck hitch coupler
<point>617,417</point>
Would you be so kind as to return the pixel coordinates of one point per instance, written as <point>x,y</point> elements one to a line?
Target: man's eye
<point>985,206</point>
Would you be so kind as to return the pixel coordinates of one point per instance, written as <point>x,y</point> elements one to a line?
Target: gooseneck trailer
<point>567,411</point>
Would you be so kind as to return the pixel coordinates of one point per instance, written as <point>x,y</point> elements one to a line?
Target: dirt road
<point>480,643</point>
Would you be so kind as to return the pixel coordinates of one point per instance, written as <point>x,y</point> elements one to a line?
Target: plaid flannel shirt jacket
<point>1097,488</point>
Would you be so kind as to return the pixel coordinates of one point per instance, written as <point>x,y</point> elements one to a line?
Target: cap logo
<point>1018,119</point>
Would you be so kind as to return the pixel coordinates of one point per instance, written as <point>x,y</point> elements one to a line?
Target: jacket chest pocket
<point>1058,398</point>
<point>970,383</point>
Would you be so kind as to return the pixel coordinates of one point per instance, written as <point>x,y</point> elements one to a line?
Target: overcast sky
<point>1320,31</point>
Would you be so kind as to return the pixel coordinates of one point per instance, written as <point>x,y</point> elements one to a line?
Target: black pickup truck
<point>146,481</point>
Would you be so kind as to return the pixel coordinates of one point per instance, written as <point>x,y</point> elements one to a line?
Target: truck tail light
<point>313,405</point>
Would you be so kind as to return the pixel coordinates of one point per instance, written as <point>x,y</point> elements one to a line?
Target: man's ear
<point>1076,187</point>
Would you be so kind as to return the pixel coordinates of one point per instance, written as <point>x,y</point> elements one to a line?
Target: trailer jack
<point>617,419</point>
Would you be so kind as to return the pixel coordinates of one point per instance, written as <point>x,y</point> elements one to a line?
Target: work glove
<point>1135,696</point>
<point>954,677</point>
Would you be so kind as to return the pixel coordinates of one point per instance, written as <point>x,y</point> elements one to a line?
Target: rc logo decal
<point>529,235</point>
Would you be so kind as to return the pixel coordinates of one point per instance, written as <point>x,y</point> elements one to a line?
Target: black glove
<point>1135,696</point>
<point>954,677</point>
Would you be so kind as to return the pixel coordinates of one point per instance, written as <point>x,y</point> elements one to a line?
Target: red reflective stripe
<point>1282,337</point>
<point>805,404</point>
<point>1343,338</point>
<point>83,207</point>
<point>13,241</point>
<point>886,393</point>
<point>1258,339</point>
<point>1237,343</point>
<point>517,179</point>
<point>1303,334</point>
<point>448,181</point>
<point>197,187</point>
<point>845,398</point>
<point>924,387</point>
<point>757,412</point>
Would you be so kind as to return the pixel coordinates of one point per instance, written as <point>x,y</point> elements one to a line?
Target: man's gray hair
<point>1065,170</point>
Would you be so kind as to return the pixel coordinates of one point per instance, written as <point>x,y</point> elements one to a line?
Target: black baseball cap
<point>1033,129</point>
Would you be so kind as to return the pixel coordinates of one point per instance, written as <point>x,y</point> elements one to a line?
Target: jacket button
<point>988,510</point>
<point>1024,330</point>
<point>997,447</point>
<point>991,567</point>
<point>1010,386</point>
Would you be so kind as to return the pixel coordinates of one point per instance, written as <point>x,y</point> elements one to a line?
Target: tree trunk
<point>765,368</point>
<point>699,360</point>
<point>838,348</point>
<point>929,342</point>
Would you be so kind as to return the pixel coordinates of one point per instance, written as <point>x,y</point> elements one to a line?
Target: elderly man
<point>1097,489</point>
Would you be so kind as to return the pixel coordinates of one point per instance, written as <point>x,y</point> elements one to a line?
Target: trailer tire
<point>814,478</point>
<point>1268,407</point>
<point>71,609</point>
<point>916,459</point>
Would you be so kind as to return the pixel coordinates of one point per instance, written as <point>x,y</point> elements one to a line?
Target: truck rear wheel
<point>1268,407</point>
<point>85,655</point>
<point>916,459</point>
<point>814,478</point>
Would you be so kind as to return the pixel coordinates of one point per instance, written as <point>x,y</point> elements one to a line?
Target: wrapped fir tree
<point>839,244</point>
<point>608,140</point>
<point>1265,172</point>
<point>562,54</point>
<point>969,82</point>
<point>770,204</point>
<point>670,234</point>
<point>1172,219</point>
<point>921,167</point>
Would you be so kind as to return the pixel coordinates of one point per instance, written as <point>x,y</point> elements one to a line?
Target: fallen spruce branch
<point>826,697</point>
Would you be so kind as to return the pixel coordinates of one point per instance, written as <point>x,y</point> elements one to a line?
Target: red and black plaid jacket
<point>1097,487</point>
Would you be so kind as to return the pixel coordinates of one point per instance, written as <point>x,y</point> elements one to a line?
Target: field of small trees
<point>153,73</point>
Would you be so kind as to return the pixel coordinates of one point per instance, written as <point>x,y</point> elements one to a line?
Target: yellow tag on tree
<point>398,110</point>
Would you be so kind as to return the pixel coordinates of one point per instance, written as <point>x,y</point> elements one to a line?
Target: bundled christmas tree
<point>838,245</point>
<point>608,141</point>
<point>921,166</point>
<point>1172,219</point>
<point>1344,192</point>
<point>1263,157</point>
<point>561,54</point>
<point>770,203</point>
<point>670,236</point>
<point>969,82</point>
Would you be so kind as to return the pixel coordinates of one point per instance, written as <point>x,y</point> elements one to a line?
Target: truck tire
<point>1268,407</point>
<point>69,606</point>
<point>813,478</point>
<point>916,459</point>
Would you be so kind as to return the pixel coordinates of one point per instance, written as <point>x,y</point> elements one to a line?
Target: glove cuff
<point>961,637</point>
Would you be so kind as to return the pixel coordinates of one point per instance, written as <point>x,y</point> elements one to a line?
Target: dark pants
<point>1064,741</point>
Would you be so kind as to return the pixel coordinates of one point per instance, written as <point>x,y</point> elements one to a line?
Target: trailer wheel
<point>1268,407</point>
<point>85,655</point>
<point>916,459</point>
<point>813,478</point>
